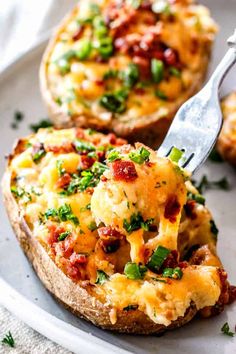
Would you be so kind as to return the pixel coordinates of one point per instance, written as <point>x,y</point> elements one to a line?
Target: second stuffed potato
<point>126,66</point>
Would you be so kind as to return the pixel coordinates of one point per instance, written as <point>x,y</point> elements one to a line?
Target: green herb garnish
<point>160,94</point>
<point>175,155</point>
<point>60,169</point>
<point>136,222</point>
<point>84,48</point>
<point>134,271</point>
<point>115,102</point>
<point>140,156</point>
<point>63,213</point>
<point>84,146</point>
<point>157,259</point>
<point>92,226</point>
<point>101,277</point>
<point>157,70</point>
<point>9,340</point>
<point>174,71</point>
<point>226,330</point>
<point>197,197</point>
<point>113,156</point>
<point>39,154</point>
<point>130,75</point>
<point>111,74</point>
<point>44,123</point>
<point>174,273</point>
<point>63,235</point>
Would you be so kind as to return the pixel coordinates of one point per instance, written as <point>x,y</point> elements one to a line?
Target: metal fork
<point>198,122</point>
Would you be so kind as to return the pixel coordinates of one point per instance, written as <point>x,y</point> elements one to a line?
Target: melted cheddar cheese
<point>98,206</point>
<point>112,59</point>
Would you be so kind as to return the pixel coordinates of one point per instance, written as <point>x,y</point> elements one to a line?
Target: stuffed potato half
<point>126,66</point>
<point>116,233</point>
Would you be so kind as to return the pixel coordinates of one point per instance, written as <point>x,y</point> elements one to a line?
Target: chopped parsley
<point>9,340</point>
<point>174,71</point>
<point>140,156</point>
<point>136,222</point>
<point>101,277</point>
<point>63,213</point>
<point>43,123</point>
<point>226,330</point>
<point>39,154</point>
<point>160,94</point>
<point>175,154</point>
<point>111,74</point>
<point>134,271</point>
<point>20,192</point>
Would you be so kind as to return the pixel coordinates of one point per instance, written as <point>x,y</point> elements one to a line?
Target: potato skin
<point>150,130</point>
<point>226,144</point>
<point>76,296</point>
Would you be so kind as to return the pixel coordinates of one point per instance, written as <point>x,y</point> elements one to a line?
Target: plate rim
<point>59,331</point>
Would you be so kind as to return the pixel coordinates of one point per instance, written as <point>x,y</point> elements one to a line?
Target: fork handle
<point>225,65</point>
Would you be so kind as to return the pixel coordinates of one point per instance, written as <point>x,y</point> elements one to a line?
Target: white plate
<point>21,291</point>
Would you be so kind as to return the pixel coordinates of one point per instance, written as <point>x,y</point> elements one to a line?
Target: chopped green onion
<point>205,184</point>
<point>157,70</point>
<point>113,156</point>
<point>110,74</point>
<point>43,123</point>
<point>104,46</point>
<point>160,94</point>
<point>60,169</point>
<point>226,330</point>
<point>175,273</point>
<point>101,277</point>
<point>197,197</point>
<point>114,102</point>
<point>63,235</point>
<point>134,271</point>
<point>158,257</point>
<point>175,155</point>
<point>84,146</point>
<point>39,155</point>
<point>174,71</point>
<point>84,49</point>
<point>130,75</point>
<point>92,226</point>
<point>140,156</point>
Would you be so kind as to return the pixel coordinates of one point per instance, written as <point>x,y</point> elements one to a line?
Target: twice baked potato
<point>126,66</point>
<point>226,144</point>
<point>116,233</point>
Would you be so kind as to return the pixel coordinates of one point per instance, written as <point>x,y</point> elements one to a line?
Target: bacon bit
<point>79,133</point>
<point>172,208</point>
<point>139,91</point>
<point>77,259</point>
<point>111,138</point>
<point>124,171</point>
<point>100,155</point>
<point>90,190</point>
<point>64,148</point>
<point>107,231</point>
<point>78,34</point>
<point>172,260</point>
<point>143,64</point>
<point>149,163</point>
<point>70,270</point>
<point>99,82</point>
<point>232,294</point>
<point>54,233</point>
<point>103,179</point>
<point>153,228</point>
<point>189,208</point>
<point>183,264</point>
<point>170,57</point>
<point>63,181</point>
<point>86,162</point>
<point>65,248</point>
<point>110,245</point>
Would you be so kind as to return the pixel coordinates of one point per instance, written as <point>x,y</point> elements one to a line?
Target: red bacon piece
<point>86,162</point>
<point>64,148</point>
<point>124,171</point>
<point>63,181</point>
<point>172,208</point>
<point>78,259</point>
<point>54,233</point>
